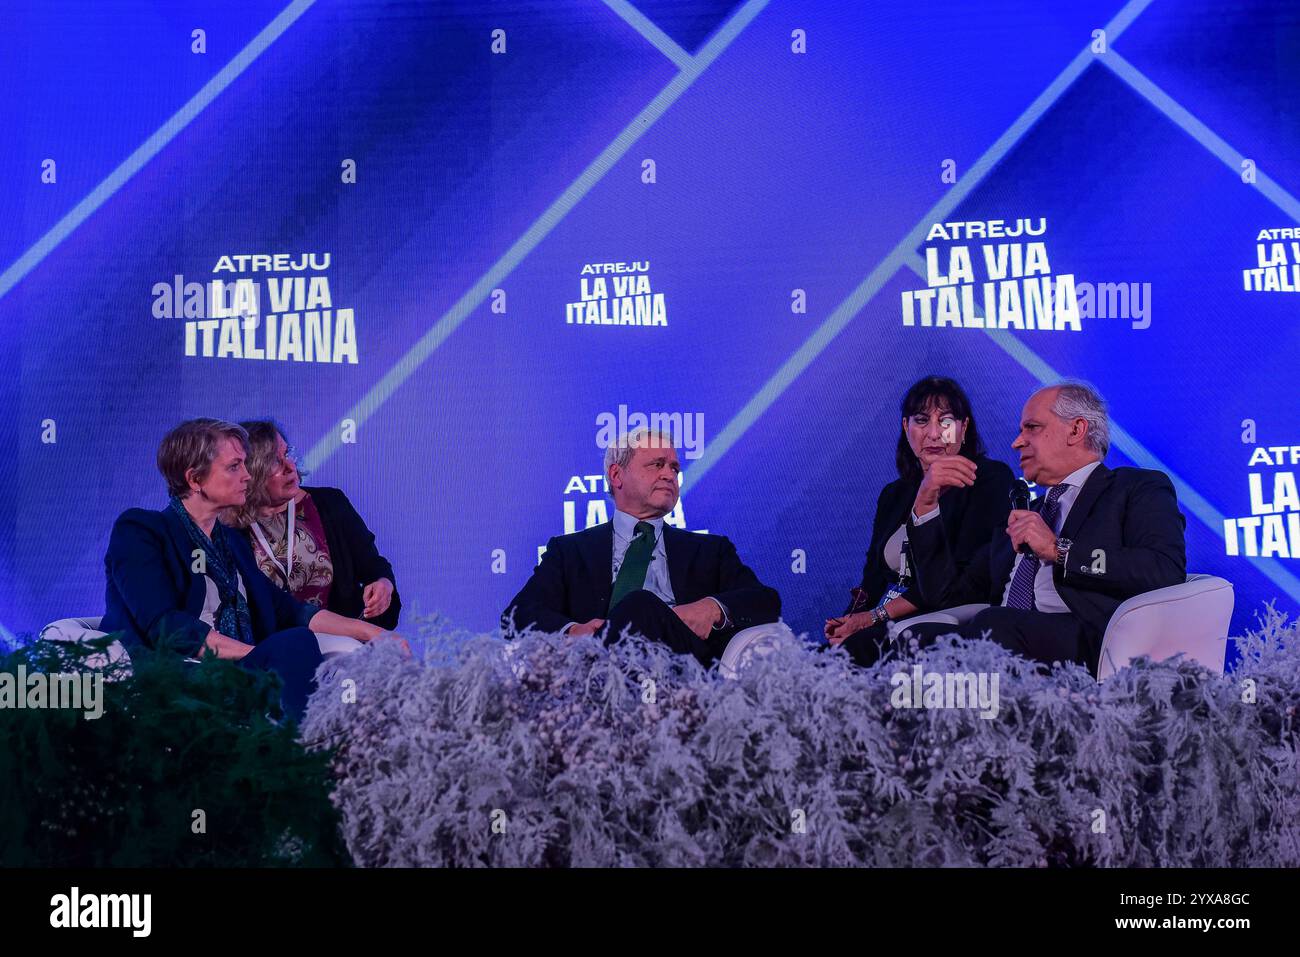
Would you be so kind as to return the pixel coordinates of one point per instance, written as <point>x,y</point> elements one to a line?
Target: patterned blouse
<point>313,570</point>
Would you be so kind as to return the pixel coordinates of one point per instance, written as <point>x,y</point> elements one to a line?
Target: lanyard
<point>288,546</point>
<point>900,586</point>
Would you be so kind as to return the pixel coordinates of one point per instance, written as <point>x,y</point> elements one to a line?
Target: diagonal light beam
<point>425,346</point>
<point>1125,441</point>
<point>1194,128</point>
<point>845,312</point>
<point>151,147</point>
<point>651,31</point>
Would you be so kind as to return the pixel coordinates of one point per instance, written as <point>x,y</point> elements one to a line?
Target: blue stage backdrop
<point>455,242</point>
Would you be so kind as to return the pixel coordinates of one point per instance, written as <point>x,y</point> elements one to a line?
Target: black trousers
<point>294,655</point>
<point>869,645</point>
<point>1036,635</point>
<point>645,613</point>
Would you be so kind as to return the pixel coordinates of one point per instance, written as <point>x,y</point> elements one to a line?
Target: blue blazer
<point>152,594</point>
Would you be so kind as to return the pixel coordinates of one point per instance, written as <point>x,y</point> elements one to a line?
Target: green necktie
<point>636,561</point>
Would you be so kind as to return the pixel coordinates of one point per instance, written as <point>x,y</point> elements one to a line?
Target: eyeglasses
<point>290,457</point>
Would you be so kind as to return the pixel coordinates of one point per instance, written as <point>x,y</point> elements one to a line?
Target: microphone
<point>1020,500</point>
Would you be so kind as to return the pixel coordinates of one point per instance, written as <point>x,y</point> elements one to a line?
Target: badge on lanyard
<point>286,568</point>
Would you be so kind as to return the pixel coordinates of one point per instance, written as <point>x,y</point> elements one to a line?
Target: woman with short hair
<point>179,579</point>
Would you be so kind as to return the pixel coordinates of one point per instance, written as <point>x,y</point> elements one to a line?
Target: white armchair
<point>87,629</point>
<point>753,643</point>
<point>1189,619</point>
<point>77,630</point>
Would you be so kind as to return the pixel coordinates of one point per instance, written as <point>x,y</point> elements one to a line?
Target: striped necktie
<point>1021,593</point>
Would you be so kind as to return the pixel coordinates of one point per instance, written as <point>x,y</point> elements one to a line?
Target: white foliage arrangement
<point>567,753</point>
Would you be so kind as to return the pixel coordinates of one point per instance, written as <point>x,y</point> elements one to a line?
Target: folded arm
<point>938,579</point>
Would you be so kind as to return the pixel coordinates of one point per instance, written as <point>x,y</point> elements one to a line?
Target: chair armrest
<point>1191,619</point>
<point>79,630</point>
<point>71,629</point>
<point>1195,587</point>
<point>957,615</point>
<point>965,613</point>
<point>331,645</point>
<point>751,643</point>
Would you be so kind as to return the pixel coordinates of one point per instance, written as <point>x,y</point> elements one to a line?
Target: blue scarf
<point>232,618</point>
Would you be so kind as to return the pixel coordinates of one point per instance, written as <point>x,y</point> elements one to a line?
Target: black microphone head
<point>1019,494</point>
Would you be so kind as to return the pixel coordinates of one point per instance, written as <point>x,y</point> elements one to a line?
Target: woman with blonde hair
<point>178,578</point>
<point>332,562</point>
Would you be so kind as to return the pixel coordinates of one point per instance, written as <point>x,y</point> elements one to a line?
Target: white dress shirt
<point>1046,597</point>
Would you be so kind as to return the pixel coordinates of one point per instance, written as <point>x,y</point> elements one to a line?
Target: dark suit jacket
<point>1127,516</point>
<point>357,561</point>
<point>152,594</point>
<point>574,580</point>
<point>969,516</point>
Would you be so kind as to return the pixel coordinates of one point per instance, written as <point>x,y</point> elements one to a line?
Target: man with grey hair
<point>1055,576</point>
<point>636,574</point>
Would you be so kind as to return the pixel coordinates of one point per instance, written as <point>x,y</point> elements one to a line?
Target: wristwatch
<point>878,614</point>
<point>1062,550</point>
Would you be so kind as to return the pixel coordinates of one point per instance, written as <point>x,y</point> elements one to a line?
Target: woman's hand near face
<point>947,471</point>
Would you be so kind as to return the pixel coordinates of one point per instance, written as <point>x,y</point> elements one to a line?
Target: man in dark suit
<point>1097,537</point>
<point>638,574</point>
